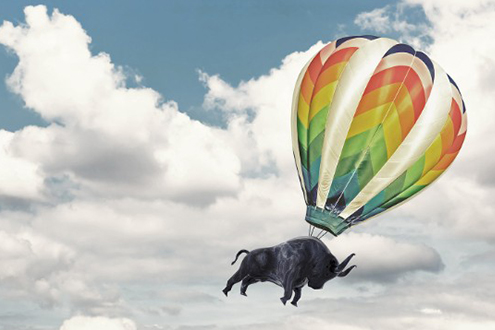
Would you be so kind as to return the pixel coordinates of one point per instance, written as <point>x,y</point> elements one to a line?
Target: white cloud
<point>389,19</point>
<point>460,205</point>
<point>431,311</point>
<point>304,322</point>
<point>258,113</point>
<point>377,20</point>
<point>382,259</point>
<point>32,264</point>
<point>19,178</point>
<point>458,7</point>
<point>110,139</point>
<point>98,323</point>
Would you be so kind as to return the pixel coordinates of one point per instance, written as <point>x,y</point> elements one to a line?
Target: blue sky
<point>123,207</point>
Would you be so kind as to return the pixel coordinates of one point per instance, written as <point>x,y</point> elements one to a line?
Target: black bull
<point>291,265</point>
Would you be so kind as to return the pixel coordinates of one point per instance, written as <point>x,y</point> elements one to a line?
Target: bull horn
<point>344,263</point>
<point>347,271</point>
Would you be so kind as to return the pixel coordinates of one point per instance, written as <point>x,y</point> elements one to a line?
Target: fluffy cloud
<point>19,177</point>
<point>97,323</point>
<point>381,259</point>
<point>30,266</point>
<point>389,19</point>
<point>258,113</point>
<point>377,20</point>
<point>107,138</point>
<point>431,303</point>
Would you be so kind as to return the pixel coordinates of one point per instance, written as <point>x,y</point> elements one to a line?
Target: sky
<point>144,144</point>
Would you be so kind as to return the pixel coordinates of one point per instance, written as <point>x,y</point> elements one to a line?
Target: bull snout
<point>316,285</point>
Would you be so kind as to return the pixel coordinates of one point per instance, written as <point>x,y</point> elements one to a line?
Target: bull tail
<point>238,254</point>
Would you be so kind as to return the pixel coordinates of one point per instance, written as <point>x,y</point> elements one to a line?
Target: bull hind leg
<point>247,281</point>
<point>297,296</point>
<point>237,277</point>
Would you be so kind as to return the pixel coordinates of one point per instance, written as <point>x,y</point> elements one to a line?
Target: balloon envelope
<point>373,123</point>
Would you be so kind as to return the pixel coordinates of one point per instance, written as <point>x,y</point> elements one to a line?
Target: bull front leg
<point>247,281</point>
<point>288,287</point>
<point>297,296</point>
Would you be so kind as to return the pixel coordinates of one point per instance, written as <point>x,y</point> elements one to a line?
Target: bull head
<point>332,269</point>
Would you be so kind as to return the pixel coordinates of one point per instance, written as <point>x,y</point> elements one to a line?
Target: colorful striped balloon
<point>373,123</point>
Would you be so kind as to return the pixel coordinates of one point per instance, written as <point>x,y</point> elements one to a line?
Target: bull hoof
<point>294,303</point>
<point>244,294</point>
<point>225,292</point>
<point>283,300</point>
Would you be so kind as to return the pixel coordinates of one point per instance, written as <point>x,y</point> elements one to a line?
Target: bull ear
<point>347,271</point>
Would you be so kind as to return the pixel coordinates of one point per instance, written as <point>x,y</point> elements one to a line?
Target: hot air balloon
<point>374,122</point>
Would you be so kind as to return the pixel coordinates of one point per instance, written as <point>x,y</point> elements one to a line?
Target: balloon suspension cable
<point>312,230</point>
<point>320,233</point>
